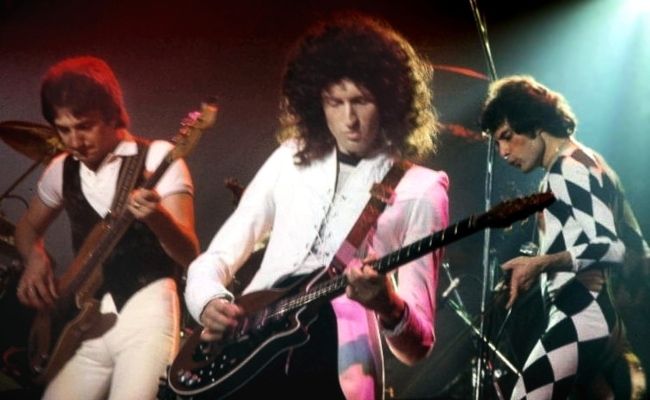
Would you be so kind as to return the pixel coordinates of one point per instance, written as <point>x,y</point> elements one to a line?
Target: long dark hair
<point>369,53</point>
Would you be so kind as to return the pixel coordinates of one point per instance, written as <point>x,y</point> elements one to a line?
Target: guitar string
<point>285,306</point>
<point>328,287</point>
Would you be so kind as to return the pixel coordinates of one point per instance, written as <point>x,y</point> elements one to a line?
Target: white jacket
<point>294,201</point>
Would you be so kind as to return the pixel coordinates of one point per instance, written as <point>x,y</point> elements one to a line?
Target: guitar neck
<point>428,244</point>
<point>153,179</point>
<point>500,216</point>
<point>113,229</point>
<point>336,286</point>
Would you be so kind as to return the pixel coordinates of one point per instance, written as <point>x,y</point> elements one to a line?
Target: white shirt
<point>99,186</point>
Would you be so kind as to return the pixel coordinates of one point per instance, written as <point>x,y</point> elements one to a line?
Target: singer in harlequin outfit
<point>580,240</point>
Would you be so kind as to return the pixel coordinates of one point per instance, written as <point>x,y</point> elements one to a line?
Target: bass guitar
<point>57,332</point>
<point>277,320</point>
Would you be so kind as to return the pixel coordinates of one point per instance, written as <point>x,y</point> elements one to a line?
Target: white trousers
<point>128,360</point>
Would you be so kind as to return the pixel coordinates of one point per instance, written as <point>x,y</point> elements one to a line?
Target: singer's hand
<point>523,272</point>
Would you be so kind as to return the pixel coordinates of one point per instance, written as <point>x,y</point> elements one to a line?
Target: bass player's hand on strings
<point>36,287</point>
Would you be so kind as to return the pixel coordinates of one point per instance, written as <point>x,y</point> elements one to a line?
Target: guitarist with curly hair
<point>356,101</point>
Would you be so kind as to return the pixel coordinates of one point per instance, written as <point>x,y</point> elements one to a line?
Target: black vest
<point>137,260</point>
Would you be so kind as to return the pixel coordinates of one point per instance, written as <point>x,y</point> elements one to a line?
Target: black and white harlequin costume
<point>581,323</point>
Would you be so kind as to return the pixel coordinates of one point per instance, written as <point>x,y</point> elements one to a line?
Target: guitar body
<point>56,333</point>
<point>222,368</point>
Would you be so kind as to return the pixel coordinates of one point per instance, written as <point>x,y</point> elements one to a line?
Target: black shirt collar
<point>347,158</point>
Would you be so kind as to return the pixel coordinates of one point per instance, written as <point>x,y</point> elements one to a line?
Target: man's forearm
<point>557,262</point>
<point>178,241</point>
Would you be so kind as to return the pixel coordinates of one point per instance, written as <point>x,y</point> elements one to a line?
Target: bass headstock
<point>192,128</point>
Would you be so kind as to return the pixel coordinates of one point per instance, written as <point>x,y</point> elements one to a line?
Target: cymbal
<point>36,141</point>
<point>464,71</point>
<point>460,131</point>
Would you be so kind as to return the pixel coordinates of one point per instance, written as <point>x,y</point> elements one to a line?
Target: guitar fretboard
<point>336,286</point>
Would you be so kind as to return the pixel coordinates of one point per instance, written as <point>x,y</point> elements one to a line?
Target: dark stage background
<point>170,55</point>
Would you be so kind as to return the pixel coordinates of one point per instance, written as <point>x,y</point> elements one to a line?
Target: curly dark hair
<point>373,55</point>
<point>527,106</point>
<point>83,84</point>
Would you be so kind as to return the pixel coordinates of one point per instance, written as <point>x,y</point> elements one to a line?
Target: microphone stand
<point>457,305</point>
<point>482,353</point>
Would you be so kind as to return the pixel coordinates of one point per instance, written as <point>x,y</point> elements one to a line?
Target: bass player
<point>82,100</point>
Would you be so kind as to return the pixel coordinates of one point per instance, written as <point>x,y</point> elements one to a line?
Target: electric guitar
<point>276,320</point>
<point>56,333</point>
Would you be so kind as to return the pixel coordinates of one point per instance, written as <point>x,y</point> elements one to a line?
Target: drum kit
<point>39,143</point>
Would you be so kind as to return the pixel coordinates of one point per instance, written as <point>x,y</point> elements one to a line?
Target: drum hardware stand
<point>7,193</point>
<point>457,305</point>
<point>11,264</point>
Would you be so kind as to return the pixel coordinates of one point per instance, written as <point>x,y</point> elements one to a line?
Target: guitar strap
<point>130,171</point>
<point>129,174</point>
<point>381,194</point>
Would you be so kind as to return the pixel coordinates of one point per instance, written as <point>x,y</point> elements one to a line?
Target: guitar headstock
<point>505,213</point>
<point>192,128</point>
